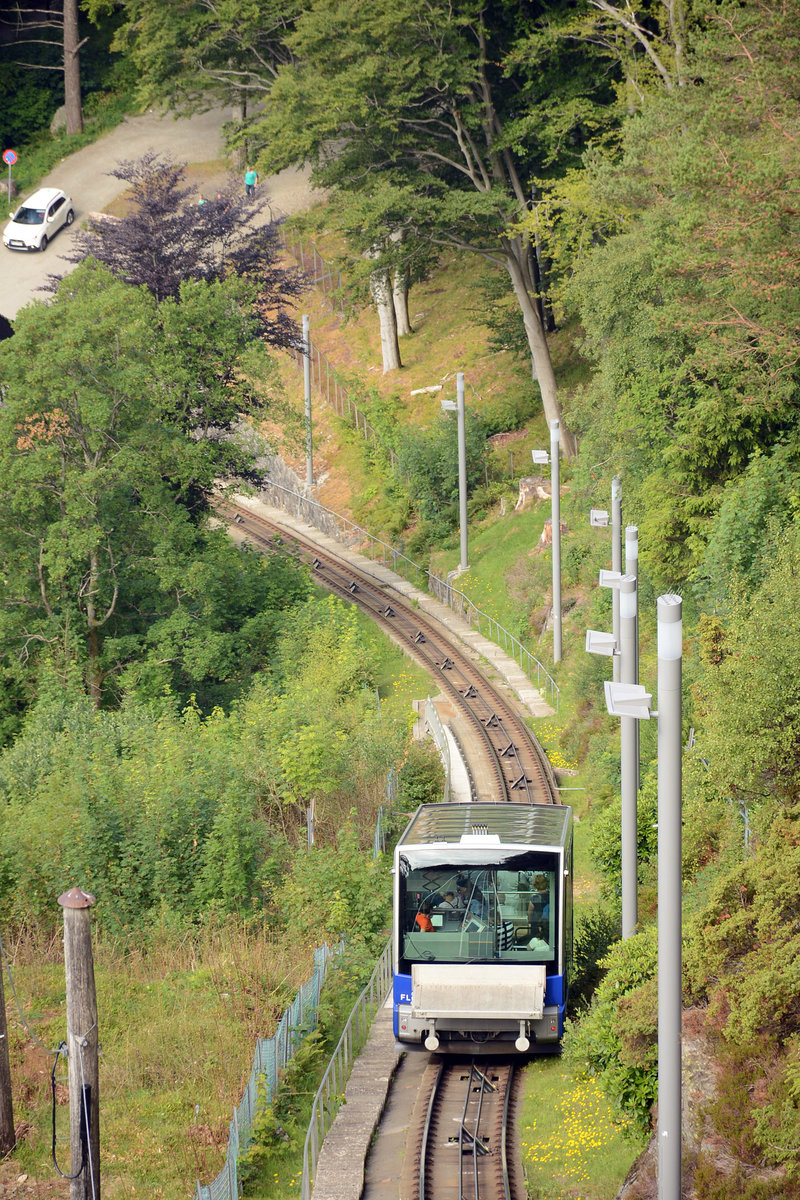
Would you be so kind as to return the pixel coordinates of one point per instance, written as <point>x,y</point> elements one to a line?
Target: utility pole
<point>616,560</point>
<point>670,661</point>
<point>307,402</point>
<point>629,758</point>
<point>82,1046</point>
<point>555,521</point>
<point>457,406</point>
<point>7,1136</point>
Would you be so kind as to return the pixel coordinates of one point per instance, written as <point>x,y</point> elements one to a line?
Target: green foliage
<point>743,954</point>
<point>421,777</point>
<point>597,927</point>
<point>605,843</point>
<point>616,1038</point>
<point>687,306</point>
<point>753,509</point>
<point>100,434</point>
<point>154,809</point>
<point>750,700</point>
<point>428,458</point>
<point>356,888</point>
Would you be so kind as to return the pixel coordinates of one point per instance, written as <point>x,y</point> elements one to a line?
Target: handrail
<point>330,1092</point>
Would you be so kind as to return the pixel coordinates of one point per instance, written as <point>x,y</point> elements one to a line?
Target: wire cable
<point>62,1049</point>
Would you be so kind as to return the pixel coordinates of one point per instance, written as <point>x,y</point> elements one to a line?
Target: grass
<point>572,1150</point>
<point>177,1028</point>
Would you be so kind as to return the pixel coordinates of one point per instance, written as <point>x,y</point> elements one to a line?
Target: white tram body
<point>483,928</point>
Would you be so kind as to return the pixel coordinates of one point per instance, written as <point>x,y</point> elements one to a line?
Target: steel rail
<point>483,1170</point>
<point>518,763</point>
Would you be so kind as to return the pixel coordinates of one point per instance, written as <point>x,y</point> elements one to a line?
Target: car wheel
<point>43,245</point>
<point>70,217</point>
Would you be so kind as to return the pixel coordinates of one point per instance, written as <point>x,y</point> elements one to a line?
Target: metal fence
<point>491,628</point>
<point>321,273</point>
<point>331,1091</point>
<point>271,1056</point>
<point>345,530</point>
<point>323,375</point>
<point>328,385</point>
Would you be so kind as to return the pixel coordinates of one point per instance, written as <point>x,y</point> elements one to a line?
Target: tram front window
<point>480,914</point>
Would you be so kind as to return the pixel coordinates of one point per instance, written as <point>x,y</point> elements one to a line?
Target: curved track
<point>464,1151</point>
<point>521,770</point>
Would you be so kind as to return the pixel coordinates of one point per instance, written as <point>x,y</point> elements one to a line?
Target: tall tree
<point>114,408</point>
<point>28,26</point>
<point>690,307</point>
<point>428,96</point>
<point>204,54</point>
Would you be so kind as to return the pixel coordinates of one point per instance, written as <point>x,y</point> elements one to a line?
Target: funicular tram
<point>483,928</point>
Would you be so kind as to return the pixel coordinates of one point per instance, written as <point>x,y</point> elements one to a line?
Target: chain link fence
<point>330,1093</point>
<point>271,1056</point>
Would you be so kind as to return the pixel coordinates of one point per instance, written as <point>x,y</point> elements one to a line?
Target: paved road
<point>82,175</point>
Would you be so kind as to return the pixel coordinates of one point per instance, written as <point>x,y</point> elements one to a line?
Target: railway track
<point>465,1150</point>
<point>521,771</point>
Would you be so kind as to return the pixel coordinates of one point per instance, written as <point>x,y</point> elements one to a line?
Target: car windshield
<point>29,216</point>
<point>481,914</point>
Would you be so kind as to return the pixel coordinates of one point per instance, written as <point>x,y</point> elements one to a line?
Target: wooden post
<point>82,1044</point>
<point>7,1138</point>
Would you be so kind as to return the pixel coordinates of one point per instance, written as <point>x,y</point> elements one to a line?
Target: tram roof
<point>545,826</point>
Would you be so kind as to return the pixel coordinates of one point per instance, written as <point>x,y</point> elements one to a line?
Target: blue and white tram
<point>483,928</point>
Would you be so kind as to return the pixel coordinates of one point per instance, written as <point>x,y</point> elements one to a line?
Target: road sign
<point>9,156</point>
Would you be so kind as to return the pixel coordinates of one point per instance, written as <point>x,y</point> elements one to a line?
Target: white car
<point>33,224</point>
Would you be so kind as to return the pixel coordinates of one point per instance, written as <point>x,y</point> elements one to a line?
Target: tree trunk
<point>381,289</point>
<point>7,1138</point>
<point>400,296</point>
<point>540,351</point>
<point>95,674</point>
<point>72,69</point>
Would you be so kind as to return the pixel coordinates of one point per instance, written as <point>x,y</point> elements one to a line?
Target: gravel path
<point>196,139</point>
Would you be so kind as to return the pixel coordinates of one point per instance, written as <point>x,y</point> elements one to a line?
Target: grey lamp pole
<point>632,568</point>
<point>670,636</point>
<point>631,700</point>
<point>307,394</point>
<point>458,405</point>
<point>616,559</point>
<point>555,488</point>
<point>462,471</point>
<point>629,734</point>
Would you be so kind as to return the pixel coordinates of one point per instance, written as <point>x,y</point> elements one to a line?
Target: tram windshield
<point>482,913</point>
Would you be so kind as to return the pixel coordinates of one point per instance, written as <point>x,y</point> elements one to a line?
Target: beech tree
<point>111,430</point>
<point>30,26</point>
<point>205,54</point>
<point>427,96</point>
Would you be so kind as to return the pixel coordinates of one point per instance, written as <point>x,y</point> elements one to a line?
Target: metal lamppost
<point>458,406</point>
<point>624,648</point>
<point>632,568</point>
<point>631,700</point>
<point>616,557</point>
<point>307,395</point>
<point>541,458</point>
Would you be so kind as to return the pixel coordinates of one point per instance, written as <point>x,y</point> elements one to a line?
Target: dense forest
<point>628,175</point>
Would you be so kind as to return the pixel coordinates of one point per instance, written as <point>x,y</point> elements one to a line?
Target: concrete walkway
<point>498,666</point>
<point>340,1166</point>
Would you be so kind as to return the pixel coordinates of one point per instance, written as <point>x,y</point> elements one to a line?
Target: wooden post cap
<point>76,898</point>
